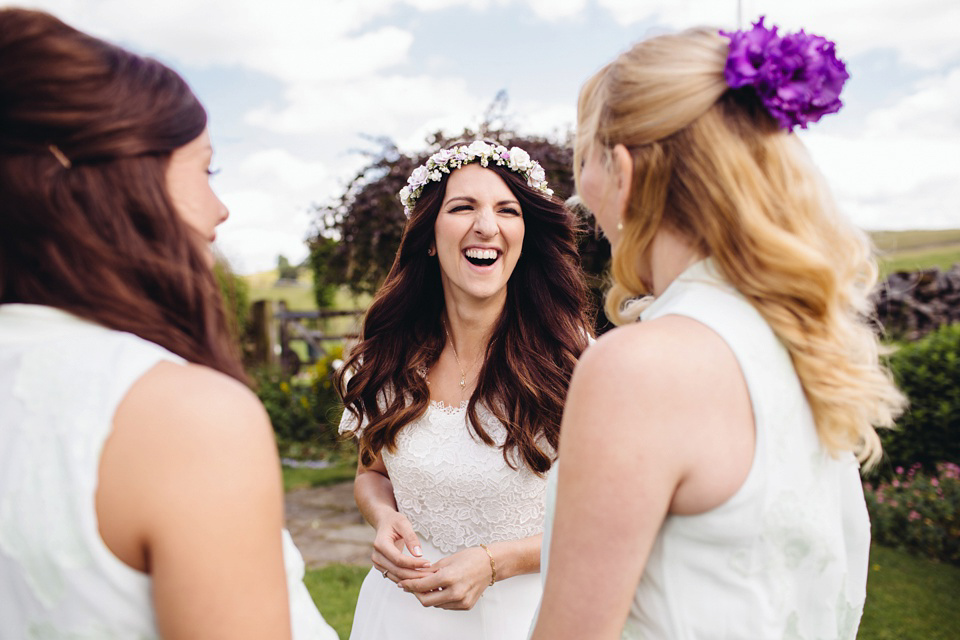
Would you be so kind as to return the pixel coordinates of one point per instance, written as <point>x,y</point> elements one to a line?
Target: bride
<point>455,393</point>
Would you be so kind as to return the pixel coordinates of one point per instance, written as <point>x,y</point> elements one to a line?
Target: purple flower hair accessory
<point>797,76</point>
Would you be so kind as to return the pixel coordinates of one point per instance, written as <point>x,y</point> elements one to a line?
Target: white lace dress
<point>457,492</point>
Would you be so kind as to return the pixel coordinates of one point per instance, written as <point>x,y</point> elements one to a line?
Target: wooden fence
<point>272,328</point>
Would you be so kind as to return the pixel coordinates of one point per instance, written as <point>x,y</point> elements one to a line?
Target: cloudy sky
<point>295,88</point>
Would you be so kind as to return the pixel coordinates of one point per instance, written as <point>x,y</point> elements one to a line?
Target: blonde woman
<point>708,480</point>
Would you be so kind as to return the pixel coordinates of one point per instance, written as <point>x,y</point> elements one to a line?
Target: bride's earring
<point>431,251</point>
<point>619,225</point>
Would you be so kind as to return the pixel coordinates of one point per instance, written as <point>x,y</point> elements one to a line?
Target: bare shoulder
<point>193,425</point>
<point>660,350</point>
<point>187,443</point>
<point>194,402</point>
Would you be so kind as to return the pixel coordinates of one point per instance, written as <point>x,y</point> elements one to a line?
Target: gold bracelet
<point>493,565</point>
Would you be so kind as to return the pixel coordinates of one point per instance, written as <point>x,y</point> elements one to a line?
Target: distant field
<point>299,295</point>
<point>899,251</point>
<point>918,249</point>
<point>917,239</point>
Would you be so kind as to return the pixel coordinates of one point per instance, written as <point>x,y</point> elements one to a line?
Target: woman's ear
<point>623,172</point>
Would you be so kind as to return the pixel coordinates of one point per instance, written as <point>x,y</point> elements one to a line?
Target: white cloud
<point>290,40</point>
<point>556,9</point>
<point>387,105</point>
<point>902,169</point>
<point>292,172</point>
<point>923,32</point>
<point>261,226</point>
<point>933,111</point>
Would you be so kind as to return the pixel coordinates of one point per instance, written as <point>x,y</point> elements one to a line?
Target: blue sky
<point>292,86</point>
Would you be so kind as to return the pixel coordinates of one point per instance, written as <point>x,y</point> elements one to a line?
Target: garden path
<point>327,527</point>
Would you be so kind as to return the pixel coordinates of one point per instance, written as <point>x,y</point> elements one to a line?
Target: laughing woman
<point>455,394</point>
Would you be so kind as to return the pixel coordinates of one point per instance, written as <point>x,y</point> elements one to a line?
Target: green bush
<point>236,297</point>
<point>928,372</point>
<point>305,410</point>
<point>918,512</point>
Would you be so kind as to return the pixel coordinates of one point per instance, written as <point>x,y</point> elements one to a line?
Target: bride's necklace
<point>453,347</point>
<point>463,374</point>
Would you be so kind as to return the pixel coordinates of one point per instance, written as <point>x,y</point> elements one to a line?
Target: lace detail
<point>457,491</point>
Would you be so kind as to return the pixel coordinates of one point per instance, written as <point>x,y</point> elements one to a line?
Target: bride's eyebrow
<point>464,198</point>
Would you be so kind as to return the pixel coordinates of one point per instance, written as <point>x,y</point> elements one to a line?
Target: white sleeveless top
<point>786,556</point>
<point>61,380</point>
<point>457,491</point>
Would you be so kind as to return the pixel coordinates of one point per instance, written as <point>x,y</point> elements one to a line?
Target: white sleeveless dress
<point>61,380</point>
<point>786,556</point>
<point>457,492</point>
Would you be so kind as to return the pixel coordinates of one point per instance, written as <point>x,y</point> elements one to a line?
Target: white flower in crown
<point>480,149</point>
<point>519,159</point>
<point>536,174</point>
<point>447,160</point>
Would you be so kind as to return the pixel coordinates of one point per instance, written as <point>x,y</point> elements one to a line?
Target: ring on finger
<point>385,572</point>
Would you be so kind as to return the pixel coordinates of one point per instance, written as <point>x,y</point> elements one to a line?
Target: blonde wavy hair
<point>711,164</point>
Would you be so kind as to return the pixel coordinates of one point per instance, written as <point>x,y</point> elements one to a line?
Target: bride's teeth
<point>482,254</point>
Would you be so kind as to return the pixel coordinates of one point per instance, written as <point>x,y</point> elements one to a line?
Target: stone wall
<point>912,304</point>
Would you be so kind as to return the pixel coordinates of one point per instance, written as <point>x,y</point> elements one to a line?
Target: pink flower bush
<point>918,511</point>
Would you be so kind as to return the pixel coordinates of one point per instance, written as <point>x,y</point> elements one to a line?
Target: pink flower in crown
<point>443,156</point>
<point>419,177</point>
<point>537,174</point>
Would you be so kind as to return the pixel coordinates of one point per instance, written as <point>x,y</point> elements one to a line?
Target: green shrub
<point>236,297</point>
<point>928,372</point>
<point>918,512</point>
<point>305,410</point>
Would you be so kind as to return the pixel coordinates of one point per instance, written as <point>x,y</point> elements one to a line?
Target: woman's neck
<point>469,328</point>
<point>670,255</point>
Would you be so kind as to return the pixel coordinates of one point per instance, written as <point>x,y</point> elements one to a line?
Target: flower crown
<point>797,76</point>
<point>446,160</point>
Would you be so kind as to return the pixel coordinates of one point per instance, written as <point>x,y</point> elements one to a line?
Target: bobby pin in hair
<point>59,155</point>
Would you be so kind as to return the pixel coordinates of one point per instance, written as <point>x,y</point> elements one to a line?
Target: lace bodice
<point>457,491</point>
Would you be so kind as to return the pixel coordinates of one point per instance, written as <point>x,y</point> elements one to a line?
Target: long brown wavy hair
<point>93,232</point>
<point>530,357</point>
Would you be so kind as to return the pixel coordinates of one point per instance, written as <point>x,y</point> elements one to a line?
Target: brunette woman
<point>140,493</point>
<point>457,387</point>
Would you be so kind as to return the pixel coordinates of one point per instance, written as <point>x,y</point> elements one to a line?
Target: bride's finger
<point>383,563</point>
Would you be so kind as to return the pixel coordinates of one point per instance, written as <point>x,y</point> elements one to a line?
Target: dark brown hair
<point>530,357</point>
<point>93,232</point>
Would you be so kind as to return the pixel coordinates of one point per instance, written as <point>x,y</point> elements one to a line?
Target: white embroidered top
<point>786,556</point>
<point>457,491</point>
<point>61,380</point>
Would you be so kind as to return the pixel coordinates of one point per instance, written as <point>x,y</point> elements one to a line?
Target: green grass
<point>915,239</point>
<point>303,478</point>
<point>299,296</point>
<point>917,249</point>
<point>334,590</point>
<point>908,598</point>
<point>942,257</point>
